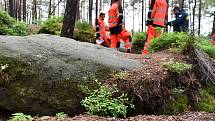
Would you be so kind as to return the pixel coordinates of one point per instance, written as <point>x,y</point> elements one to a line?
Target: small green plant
<point>20,117</point>
<point>178,103</point>
<point>103,103</point>
<point>138,41</point>
<point>206,101</point>
<point>170,40</point>
<point>121,75</point>
<point>61,115</point>
<point>177,67</point>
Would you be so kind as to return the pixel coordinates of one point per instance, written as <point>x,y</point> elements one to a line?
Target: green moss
<point>29,91</point>
<point>206,100</point>
<point>177,104</point>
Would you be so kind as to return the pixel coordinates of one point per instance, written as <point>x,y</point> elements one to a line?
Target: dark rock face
<point>46,72</point>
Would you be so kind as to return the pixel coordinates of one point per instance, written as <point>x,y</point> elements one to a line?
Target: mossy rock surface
<point>46,72</point>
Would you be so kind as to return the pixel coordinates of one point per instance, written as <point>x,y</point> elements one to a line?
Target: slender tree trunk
<point>53,8</point>
<point>50,9</point>
<point>100,5</point>
<point>24,10</point>
<point>16,8</point>
<point>58,9</point>
<point>200,9</point>
<point>5,5</point>
<point>34,11</point>
<point>78,12</point>
<point>11,8</point>
<point>20,10</point>
<point>194,7</point>
<point>90,11</point>
<point>213,30</point>
<point>69,18</point>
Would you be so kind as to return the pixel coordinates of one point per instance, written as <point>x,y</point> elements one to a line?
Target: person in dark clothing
<point>181,23</point>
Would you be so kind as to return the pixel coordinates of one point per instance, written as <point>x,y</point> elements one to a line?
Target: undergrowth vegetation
<point>170,40</point>
<point>138,41</point>
<point>103,102</point>
<point>204,44</point>
<point>83,31</point>
<point>177,67</point>
<point>9,26</point>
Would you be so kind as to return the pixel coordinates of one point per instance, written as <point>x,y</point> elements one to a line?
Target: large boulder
<point>46,72</point>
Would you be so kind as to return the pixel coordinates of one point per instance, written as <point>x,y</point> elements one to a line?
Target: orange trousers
<point>124,35</point>
<point>151,33</point>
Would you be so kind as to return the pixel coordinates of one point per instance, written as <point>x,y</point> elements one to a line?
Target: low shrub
<point>52,26</point>
<point>9,26</point>
<point>138,41</point>
<point>170,40</point>
<point>177,67</point>
<point>204,44</point>
<point>103,103</point>
<point>84,32</point>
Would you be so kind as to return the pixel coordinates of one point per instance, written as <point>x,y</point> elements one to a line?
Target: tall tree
<point>213,29</point>
<point>50,9</point>
<point>200,9</point>
<point>20,10</point>
<point>24,10</point>
<point>11,8</point>
<point>69,18</point>
<point>90,11</point>
<point>34,11</point>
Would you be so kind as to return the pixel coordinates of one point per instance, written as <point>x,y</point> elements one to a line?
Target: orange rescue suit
<point>157,15</point>
<point>102,30</point>
<point>118,32</point>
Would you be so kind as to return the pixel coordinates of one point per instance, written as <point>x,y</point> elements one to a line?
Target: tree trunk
<point>5,5</point>
<point>69,18</point>
<point>11,8</point>
<point>20,10</point>
<point>50,9</point>
<point>200,9</point>
<point>213,30</point>
<point>78,12</point>
<point>90,11</point>
<point>34,11</point>
<point>100,5</point>
<point>53,8</point>
<point>24,10</point>
<point>58,9</point>
<point>194,7</point>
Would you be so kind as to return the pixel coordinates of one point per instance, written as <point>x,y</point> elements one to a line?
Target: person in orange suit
<point>158,12</point>
<point>104,39</point>
<point>116,28</point>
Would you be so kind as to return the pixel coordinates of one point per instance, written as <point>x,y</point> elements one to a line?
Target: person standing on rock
<point>104,38</point>
<point>157,15</point>
<point>116,28</point>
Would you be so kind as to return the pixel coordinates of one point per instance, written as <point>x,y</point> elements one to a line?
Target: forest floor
<point>153,60</point>
<point>188,116</point>
<point>153,63</point>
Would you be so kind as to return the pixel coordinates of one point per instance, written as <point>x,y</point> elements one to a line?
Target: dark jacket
<point>181,23</point>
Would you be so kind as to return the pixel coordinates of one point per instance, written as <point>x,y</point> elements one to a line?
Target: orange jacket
<point>102,27</point>
<point>113,15</point>
<point>158,12</point>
